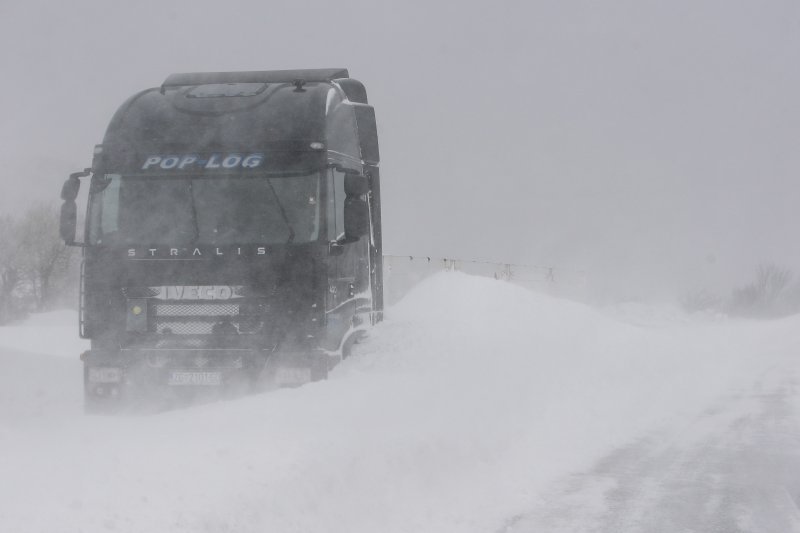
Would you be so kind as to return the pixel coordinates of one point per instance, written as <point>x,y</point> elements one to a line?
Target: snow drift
<point>454,415</point>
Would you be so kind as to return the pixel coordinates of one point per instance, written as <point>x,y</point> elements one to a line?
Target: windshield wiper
<point>282,210</point>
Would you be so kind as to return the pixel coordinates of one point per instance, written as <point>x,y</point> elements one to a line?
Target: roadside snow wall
<point>453,416</point>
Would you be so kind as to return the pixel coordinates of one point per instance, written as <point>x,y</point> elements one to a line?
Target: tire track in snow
<point>735,469</point>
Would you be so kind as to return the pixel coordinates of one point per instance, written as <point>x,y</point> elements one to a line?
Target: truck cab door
<point>339,308</point>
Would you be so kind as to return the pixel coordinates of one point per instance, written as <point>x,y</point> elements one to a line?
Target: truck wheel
<point>320,365</point>
<point>96,406</point>
<point>347,347</point>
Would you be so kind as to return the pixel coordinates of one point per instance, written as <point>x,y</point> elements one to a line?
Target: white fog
<point>591,283</point>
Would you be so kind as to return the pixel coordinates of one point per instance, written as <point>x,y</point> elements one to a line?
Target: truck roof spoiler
<point>263,76</point>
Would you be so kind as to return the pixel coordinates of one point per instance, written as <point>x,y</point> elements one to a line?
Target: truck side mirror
<point>69,191</point>
<point>367,133</point>
<point>69,221</point>
<point>355,185</point>
<point>356,218</point>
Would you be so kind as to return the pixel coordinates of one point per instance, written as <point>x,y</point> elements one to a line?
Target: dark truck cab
<point>232,234</point>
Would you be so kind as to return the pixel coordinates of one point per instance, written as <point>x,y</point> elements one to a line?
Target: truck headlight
<point>137,315</point>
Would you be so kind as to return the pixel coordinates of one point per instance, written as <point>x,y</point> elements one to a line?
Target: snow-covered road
<point>733,469</point>
<point>476,406</point>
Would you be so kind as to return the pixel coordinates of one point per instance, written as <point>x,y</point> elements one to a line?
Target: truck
<point>232,235</point>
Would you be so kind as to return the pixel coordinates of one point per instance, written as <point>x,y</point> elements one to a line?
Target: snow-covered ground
<point>459,413</point>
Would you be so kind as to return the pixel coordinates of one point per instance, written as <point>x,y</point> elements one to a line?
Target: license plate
<point>196,378</point>
<point>292,376</point>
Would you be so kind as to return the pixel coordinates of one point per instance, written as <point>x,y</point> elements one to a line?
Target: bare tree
<point>771,280</point>
<point>10,267</point>
<point>45,257</point>
<point>701,300</point>
<point>763,296</point>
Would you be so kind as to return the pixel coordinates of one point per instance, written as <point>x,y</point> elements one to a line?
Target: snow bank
<point>452,416</point>
<point>53,333</point>
<point>40,371</point>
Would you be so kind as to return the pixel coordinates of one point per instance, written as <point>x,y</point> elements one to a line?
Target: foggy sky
<point>652,144</point>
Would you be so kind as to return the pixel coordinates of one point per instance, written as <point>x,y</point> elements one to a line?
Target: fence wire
<point>401,273</point>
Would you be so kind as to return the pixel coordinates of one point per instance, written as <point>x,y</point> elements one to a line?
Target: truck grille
<point>193,310</point>
<point>206,318</point>
<point>184,328</point>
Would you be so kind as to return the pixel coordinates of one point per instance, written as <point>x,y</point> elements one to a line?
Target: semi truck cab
<point>232,235</point>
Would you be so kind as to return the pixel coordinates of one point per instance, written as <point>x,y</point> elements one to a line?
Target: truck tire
<point>320,366</point>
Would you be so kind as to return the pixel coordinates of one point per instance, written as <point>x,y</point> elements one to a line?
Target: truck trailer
<point>232,235</point>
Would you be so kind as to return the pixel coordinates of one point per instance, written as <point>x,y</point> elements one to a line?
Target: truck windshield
<point>218,210</point>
